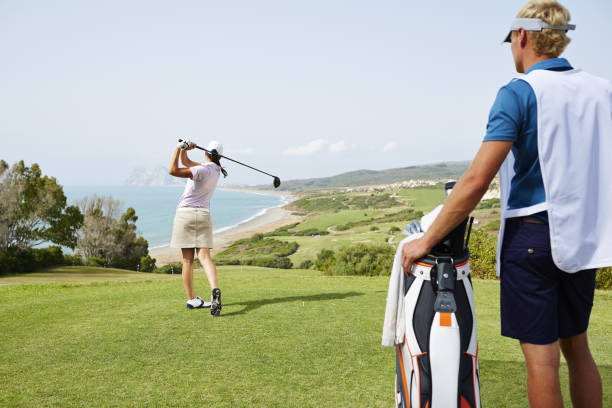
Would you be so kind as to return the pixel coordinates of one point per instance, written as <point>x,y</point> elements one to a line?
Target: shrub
<point>259,250</point>
<point>95,261</point>
<point>147,264</point>
<point>374,228</point>
<point>227,261</point>
<point>320,204</point>
<point>16,260</point>
<point>175,268</point>
<point>257,245</point>
<point>45,257</point>
<point>73,260</point>
<point>271,262</point>
<point>483,252</point>
<point>403,216</point>
<point>394,229</point>
<point>282,230</point>
<point>307,264</point>
<point>604,278</point>
<point>324,260</point>
<point>310,232</point>
<point>363,259</point>
<point>285,231</point>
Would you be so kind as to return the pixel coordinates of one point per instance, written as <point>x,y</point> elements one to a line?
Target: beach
<point>270,220</point>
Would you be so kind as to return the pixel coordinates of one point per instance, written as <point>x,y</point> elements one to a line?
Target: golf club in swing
<point>276,181</point>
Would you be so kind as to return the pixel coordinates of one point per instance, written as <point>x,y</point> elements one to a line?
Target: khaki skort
<point>192,228</point>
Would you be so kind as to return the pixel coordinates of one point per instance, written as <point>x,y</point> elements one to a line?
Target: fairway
<point>286,338</point>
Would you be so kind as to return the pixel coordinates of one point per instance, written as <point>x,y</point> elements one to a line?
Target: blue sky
<point>90,89</point>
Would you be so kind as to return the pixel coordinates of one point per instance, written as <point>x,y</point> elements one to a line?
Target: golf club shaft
<point>235,161</point>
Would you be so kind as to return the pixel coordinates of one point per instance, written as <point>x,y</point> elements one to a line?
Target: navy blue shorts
<point>539,302</point>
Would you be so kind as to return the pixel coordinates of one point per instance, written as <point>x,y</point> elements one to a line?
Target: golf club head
<point>276,182</point>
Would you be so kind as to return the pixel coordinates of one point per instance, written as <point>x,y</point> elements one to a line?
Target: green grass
<point>311,246</point>
<point>424,199</point>
<point>285,339</point>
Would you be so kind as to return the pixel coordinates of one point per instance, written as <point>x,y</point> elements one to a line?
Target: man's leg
<point>188,271</point>
<point>584,378</point>
<point>209,267</point>
<point>543,386</point>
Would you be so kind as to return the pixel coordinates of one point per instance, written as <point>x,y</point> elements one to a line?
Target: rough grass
<point>285,339</point>
<point>80,274</point>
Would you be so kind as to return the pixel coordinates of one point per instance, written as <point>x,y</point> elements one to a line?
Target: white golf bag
<point>437,364</point>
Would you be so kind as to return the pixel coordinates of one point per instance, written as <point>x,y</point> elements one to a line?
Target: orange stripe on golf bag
<point>403,373</point>
<point>445,319</point>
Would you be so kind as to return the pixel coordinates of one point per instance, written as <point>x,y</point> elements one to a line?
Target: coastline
<point>262,222</point>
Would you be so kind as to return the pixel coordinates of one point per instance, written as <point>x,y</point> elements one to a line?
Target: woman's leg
<point>188,271</point>
<point>209,267</point>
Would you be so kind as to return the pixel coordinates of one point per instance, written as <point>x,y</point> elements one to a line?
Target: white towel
<point>394,326</point>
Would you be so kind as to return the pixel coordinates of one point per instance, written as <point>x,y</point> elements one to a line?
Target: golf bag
<point>437,364</point>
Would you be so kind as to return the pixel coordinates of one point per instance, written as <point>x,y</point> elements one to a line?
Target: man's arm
<point>175,170</point>
<point>465,197</point>
<point>185,160</point>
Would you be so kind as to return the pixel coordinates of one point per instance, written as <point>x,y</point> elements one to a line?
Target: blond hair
<point>547,42</point>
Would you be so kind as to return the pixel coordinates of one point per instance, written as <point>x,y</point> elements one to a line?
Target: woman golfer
<point>192,230</point>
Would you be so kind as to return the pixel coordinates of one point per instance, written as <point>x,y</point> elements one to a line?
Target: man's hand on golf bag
<point>413,250</point>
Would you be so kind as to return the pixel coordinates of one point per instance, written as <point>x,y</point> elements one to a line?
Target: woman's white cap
<point>214,145</point>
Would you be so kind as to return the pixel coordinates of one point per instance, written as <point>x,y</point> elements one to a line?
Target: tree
<point>95,238</point>
<point>106,235</point>
<point>33,209</point>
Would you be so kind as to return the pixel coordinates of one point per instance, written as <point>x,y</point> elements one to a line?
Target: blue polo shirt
<point>514,118</point>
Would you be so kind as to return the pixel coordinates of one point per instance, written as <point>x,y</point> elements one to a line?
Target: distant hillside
<point>434,172</point>
<point>157,176</point>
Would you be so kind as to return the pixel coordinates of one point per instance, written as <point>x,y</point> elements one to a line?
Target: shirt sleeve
<point>505,116</point>
<point>198,172</point>
<point>202,171</point>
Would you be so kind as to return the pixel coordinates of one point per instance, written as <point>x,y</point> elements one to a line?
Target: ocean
<point>155,207</point>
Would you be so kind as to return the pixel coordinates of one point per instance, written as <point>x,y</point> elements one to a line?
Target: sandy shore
<point>269,221</point>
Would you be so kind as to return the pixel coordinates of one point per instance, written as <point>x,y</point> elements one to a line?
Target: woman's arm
<point>185,160</point>
<point>175,170</point>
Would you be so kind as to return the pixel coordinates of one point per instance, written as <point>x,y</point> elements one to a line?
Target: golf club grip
<point>235,161</point>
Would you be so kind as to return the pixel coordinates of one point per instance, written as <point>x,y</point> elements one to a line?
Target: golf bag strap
<point>422,270</point>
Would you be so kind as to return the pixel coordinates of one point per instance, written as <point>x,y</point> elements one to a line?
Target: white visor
<point>535,24</point>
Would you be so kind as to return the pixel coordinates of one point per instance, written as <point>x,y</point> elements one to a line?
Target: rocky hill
<point>410,176</point>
